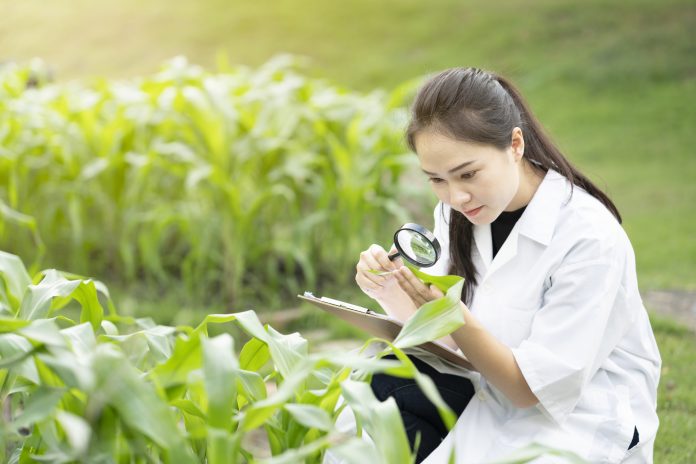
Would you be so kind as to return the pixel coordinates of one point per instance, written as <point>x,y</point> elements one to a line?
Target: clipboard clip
<point>339,303</point>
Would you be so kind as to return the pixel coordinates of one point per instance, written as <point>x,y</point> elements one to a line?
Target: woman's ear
<point>517,144</point>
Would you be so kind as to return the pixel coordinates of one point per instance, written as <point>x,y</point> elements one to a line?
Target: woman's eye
<point>468,175</point>
<point>436,180</point>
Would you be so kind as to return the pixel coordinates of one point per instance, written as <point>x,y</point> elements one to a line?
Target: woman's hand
<point>379,287</point>
<point>419,292</point>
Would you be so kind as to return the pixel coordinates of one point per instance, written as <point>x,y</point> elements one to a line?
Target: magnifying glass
<point>417,245</point>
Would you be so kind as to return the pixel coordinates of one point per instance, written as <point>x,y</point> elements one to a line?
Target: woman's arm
<point>492,359</point>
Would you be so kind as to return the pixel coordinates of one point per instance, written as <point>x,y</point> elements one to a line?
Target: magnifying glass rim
<point>427,234</point>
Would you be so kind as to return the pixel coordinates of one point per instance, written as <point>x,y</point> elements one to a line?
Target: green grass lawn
<point>613,82</point>
<point>676,405</point>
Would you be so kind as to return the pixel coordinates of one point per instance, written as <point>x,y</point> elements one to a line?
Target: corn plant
<point>80,383</point>
<point>235,184</point>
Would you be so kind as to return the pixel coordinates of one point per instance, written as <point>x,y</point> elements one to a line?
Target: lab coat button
<point>481,395</point>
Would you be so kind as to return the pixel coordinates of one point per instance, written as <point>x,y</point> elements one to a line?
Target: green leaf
<point>82,339</point>
<point>251,386</point>
<point>185,358</point>
<point>443,283</point>
<point>44,331</point>
<point>355,451</point>
<point>287,351</point>
<point>364,363</point>
<point>39,405</point>
<point>11,325</point>
<point>136,401</point>
<point>382,420</point>
<point>223,447</point>
<point>219,369</point>
<point>158,341</point>
<point>301,454</point>
<point>434,319</point>
<point>37,303</point>
<point>310,416</point>
<point>10,361</point>
<point>189,407</point>
<point>77,431</point>
<point>257,413</point>
<point>15,276</point>
<point>254,355</point>
<point>14,353</point>
<point>247,320</point>
<point>69,368</point>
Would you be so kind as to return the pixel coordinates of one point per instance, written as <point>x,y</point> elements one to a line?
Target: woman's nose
<point>459,197</point>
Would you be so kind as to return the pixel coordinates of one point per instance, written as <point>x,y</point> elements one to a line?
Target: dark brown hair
<point>472,105</point>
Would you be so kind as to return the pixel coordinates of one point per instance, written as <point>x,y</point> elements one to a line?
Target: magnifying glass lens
<point>417,245</point>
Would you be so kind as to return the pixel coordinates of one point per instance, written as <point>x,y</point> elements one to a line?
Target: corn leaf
<point>219,370</point>
<point>434,319</point>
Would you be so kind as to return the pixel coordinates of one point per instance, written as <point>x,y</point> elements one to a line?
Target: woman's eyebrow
<point>466,163</point>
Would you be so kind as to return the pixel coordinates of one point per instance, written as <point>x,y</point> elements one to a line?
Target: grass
<point>676,399</point>
<point>610,80</point>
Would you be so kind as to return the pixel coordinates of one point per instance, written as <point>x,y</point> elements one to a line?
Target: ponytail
<point>540,149</point>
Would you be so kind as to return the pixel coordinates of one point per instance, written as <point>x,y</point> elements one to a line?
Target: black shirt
<point>501,227</point>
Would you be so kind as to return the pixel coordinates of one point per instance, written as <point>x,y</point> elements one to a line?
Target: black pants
<point>419,415</point>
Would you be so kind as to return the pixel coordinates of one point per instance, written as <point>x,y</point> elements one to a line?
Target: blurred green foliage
<point>610,80</point>
<point>236,186</point>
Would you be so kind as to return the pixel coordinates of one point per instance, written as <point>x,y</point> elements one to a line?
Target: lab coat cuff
<point>554,401</point>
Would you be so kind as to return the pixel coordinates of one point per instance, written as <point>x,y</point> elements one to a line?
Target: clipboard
<point>380,325</point>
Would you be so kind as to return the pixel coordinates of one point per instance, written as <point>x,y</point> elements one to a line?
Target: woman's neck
<point>530,179</point>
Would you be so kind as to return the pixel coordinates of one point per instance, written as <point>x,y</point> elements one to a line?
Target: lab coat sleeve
<point>582,318</point>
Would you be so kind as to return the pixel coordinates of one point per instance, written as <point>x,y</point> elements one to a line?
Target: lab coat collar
<point>537,222</point>
<point>539,219</point>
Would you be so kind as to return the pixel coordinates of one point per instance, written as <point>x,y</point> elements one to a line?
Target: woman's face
<point>480,181</point>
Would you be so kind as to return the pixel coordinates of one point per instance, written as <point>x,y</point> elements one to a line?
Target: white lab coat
<point>562,293</point>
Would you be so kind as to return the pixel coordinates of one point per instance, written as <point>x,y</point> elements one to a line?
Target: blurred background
<point>204,155</point>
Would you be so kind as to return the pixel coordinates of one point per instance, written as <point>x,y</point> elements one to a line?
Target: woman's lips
<point>473,212</point>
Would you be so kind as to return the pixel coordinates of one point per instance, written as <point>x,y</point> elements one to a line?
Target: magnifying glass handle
<point>393,256</point>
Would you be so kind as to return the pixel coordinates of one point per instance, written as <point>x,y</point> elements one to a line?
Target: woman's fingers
<point>381,259</point>
<point>419,292</point>
<point>396,262</point>
<point>374,258</point>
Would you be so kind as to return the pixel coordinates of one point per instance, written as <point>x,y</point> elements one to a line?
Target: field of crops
<point>238,186</point>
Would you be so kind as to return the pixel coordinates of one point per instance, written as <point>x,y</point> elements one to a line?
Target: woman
<point>555,327</point>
